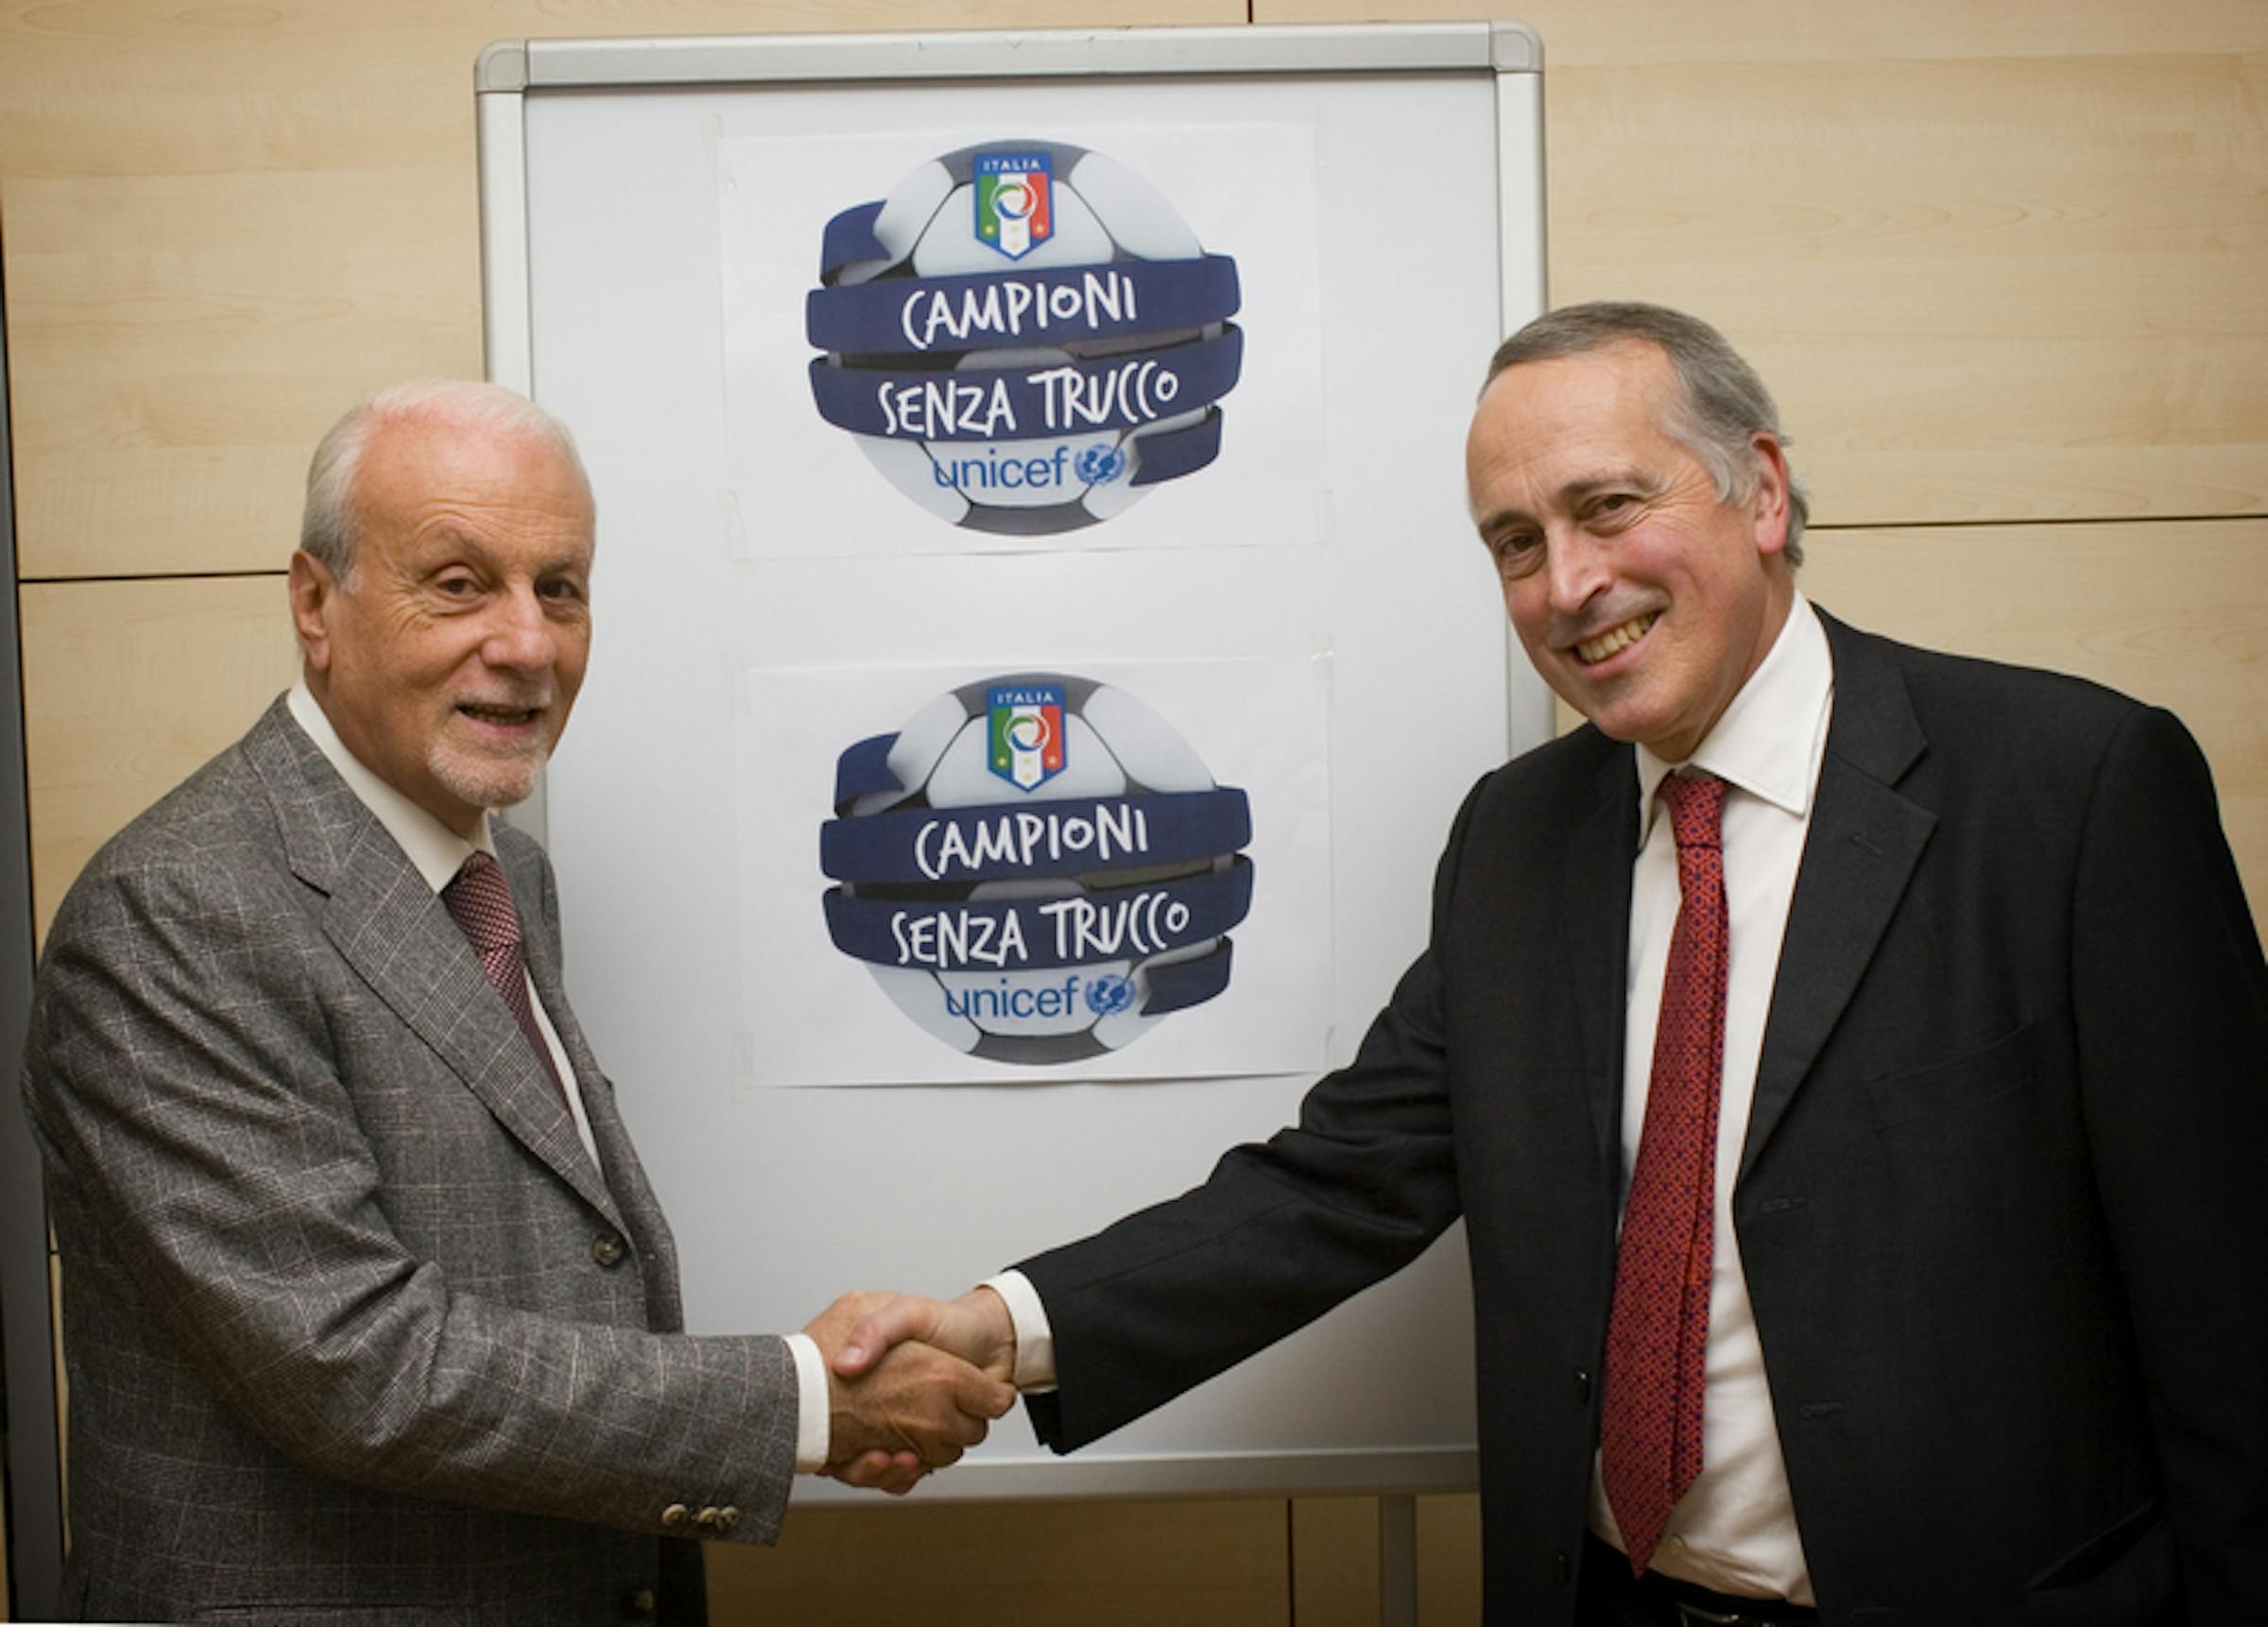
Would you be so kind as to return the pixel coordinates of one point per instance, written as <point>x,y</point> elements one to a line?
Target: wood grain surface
<point>2004,265</point>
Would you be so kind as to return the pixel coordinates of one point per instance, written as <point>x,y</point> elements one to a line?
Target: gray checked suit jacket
<point>355,1332</point>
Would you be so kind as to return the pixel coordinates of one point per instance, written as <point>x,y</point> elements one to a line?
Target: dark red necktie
<point>480,901</point>
<point>1658,1334</point>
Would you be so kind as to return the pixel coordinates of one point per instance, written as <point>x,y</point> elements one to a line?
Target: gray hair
<point>1723,403</point>
<point>328,523</point>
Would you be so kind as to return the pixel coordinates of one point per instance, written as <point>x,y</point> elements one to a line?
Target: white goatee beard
<point>484,782</point>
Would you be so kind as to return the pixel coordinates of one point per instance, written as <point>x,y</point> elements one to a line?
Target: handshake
<point>911,1382</point>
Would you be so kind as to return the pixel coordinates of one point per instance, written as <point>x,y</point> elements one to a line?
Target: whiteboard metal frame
<point>509,71</point>
<point>516,66</point>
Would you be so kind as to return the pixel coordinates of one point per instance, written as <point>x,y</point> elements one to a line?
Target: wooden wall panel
<point>1335,1561</point>
<point>1449,1561</point>
<point>2173,612</point>
<point>1998,262</point>
<point>1067,1565</point>
<point>2002,263</point>
<point>1632,33</point>
<point>224,223</point>
<point>127,686</point>
<point>1982,290</point>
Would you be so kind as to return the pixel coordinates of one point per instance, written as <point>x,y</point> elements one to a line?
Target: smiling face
<point>1643,597</point>
<point>450,660</point>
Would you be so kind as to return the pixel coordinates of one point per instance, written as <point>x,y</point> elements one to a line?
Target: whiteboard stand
<point>600,180</point>
<point>1398,1561</point>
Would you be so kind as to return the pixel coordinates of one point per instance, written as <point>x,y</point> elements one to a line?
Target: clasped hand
<point>912,1382</point>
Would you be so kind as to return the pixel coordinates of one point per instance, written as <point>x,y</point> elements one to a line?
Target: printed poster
<point>1101,870</point>
<point>990,339</point>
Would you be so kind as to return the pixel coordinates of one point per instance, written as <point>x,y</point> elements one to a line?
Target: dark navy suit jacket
<point>1999,1204</point>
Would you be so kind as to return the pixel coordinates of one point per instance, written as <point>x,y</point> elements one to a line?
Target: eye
<point>561,589</point>
<point>1614,508</point>
<point>456,585</point>
<point>1516,552</point>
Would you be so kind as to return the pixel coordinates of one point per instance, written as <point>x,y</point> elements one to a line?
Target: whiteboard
<point>607,170</point>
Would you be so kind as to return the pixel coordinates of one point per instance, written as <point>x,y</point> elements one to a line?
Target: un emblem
<point>1100,465</point>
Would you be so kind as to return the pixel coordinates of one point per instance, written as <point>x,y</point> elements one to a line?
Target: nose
<point>1575,571</point>
<point>520,637</point>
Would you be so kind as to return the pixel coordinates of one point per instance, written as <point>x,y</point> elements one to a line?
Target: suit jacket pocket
<point>2127,1575</point>
<point>2008,1064</point>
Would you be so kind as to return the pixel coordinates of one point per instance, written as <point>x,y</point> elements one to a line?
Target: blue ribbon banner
<point>1067,837</point>
<point>1049,401</point>
<point>864,769</point>
<point>1181,984</point>
<point>1022,310</point>
<point>1020,935</point>
<point>849,237</point>
<point>1173,452</point>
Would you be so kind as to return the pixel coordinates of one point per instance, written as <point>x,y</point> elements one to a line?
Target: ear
<point>313,590</point>
<point>1770,503</point>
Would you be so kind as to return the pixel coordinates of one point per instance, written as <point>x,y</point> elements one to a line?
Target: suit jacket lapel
<point>1596,859</point>
<point>624,1176</point>
<point>387,923</point>
<point>1865,841</point>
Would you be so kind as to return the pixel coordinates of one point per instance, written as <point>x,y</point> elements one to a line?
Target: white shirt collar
<point>437,852</point>
<point>1767,741</point>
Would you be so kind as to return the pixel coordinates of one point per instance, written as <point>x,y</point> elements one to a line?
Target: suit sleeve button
<point>640,1605</point>
<point>727,1518</point>
<point>674,1516</point>
<point>607,1250</point>
<point>708,1518</point>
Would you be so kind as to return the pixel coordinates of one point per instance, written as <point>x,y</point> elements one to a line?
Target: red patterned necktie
<point>480,902</point>
<point>1658,1334</point>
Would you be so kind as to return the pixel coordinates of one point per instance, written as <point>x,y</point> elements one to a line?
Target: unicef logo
<point>1109,996</point>
<point>1023,337</point>
<point>1036,868</point>
<point>1100,465</point>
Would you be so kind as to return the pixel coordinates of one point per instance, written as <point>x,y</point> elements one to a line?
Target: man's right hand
<point>977,1327</point>
<point>899,1410</point>
<point>975,1330</point>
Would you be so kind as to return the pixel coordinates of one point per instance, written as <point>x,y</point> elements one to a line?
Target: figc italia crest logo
<point>1026,725</point>
<point>1012,212</point>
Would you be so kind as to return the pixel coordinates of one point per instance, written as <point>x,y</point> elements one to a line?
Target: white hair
<point>328,522</point>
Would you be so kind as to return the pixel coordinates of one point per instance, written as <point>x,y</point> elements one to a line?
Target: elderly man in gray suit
<point>369,1312</point>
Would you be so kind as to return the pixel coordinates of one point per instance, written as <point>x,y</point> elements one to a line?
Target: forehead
<point>1542,424</point>
<point>423,478</point>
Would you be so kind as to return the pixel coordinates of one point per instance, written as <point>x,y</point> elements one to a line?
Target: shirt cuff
<point>1035,1340</point>
<point>811,1402</point>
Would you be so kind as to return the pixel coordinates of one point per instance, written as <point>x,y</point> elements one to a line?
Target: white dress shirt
<point>1734,1530</point>
<point>438,853</point>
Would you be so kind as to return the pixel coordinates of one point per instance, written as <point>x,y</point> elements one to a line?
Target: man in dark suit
<point>369,1312</point>
<point>1965,1310</point>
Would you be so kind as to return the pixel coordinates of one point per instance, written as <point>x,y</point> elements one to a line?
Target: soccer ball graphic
<point>1024,337</point>
<point>1036,869</point>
